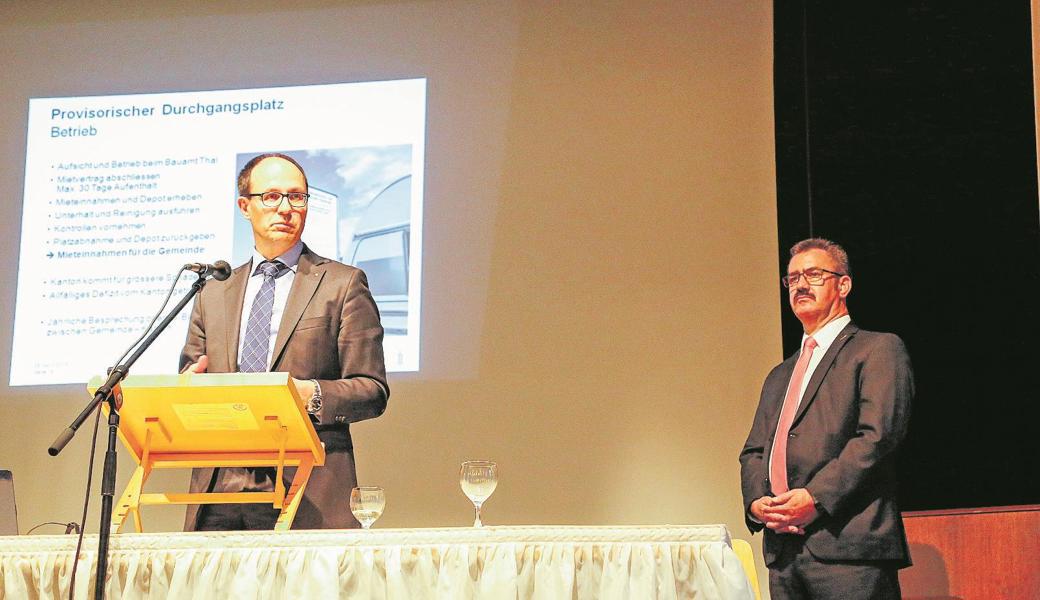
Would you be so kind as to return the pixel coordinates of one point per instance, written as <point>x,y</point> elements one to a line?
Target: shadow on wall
<point>928,578</point>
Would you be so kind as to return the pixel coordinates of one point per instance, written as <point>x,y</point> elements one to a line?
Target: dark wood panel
<point>973,554</point>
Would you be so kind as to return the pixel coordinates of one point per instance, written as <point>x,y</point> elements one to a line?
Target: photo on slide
<point>359,213</point>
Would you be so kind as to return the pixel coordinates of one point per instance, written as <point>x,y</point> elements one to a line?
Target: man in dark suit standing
<point>289,310</point>
<point>818,468</point>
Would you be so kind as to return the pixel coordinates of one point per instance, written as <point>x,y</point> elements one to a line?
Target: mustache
<point>805,294</point>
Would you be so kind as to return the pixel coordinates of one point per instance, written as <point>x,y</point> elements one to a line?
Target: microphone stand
<point>104,394</point>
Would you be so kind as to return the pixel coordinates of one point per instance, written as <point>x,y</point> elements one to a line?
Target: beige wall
<point>600,201</point>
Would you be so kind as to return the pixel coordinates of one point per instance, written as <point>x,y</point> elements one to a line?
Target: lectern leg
<point>292,499</point>
<point>129,502</point>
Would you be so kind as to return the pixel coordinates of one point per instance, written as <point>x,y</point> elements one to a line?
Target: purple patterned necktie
<point>258,328</point>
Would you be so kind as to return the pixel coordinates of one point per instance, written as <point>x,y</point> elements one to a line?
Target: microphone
<point>219,270</point>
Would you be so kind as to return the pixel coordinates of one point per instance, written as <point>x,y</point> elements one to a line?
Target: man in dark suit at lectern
<point>289,310</point>
<point>818,468</point>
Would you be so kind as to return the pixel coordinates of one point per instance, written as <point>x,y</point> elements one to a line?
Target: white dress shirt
<point>824,338</point>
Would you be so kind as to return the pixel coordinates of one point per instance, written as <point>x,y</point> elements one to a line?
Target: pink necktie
<point>778,463</point>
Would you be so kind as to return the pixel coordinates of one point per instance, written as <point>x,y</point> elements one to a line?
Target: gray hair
<point>834,250</point>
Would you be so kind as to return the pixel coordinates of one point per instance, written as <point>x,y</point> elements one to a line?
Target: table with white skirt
<point>489,562</point>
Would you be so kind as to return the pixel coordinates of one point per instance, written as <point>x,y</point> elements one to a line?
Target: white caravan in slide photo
<point>380,249</point>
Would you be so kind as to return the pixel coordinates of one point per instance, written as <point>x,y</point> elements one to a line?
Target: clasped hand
<point>789,512</point>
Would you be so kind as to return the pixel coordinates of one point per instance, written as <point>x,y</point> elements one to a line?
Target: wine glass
<point>478,479</point>
<point>367,504</point>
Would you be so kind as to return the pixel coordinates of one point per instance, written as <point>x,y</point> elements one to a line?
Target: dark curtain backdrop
<point>906,133</point>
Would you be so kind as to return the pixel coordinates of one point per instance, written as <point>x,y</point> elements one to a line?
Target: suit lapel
<point>234,299</point>
<point>308,276</point>
<point>822,368</point>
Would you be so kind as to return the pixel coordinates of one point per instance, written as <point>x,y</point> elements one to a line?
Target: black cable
<point>808,130</point>
<point>68,526</point>
<point>147,329</point>
<point>86,503</point>
<point>93,440</point>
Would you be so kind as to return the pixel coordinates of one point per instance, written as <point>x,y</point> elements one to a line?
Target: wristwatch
<point>314,404</point>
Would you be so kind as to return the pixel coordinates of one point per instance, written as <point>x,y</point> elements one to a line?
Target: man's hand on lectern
<point>304,387</point>
<point>199,366</point>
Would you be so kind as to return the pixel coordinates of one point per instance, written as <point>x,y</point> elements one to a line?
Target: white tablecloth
<point>492,562</point>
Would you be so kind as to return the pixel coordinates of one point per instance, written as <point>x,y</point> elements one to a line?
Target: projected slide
<point>120,191</point>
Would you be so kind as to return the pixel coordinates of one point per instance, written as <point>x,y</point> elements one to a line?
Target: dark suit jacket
<point>842,447</point>
<point>330,331</point>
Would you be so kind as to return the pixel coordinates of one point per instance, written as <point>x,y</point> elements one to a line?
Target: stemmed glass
<point>478,479</point>
<point>367,504</point>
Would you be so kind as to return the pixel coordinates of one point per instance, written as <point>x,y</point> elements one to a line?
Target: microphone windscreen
<point>221,270</point>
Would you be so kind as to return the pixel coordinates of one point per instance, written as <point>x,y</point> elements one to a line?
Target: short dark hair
<point>247,171</point>
<point>834,250</point>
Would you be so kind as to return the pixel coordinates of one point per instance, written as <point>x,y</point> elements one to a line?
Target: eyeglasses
<point>812,277</point>
<point>272,199</point>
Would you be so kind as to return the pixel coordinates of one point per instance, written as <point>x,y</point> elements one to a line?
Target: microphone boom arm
<point>120,371</point>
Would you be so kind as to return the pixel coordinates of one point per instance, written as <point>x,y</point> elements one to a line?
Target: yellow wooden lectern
<point>215,420</point>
